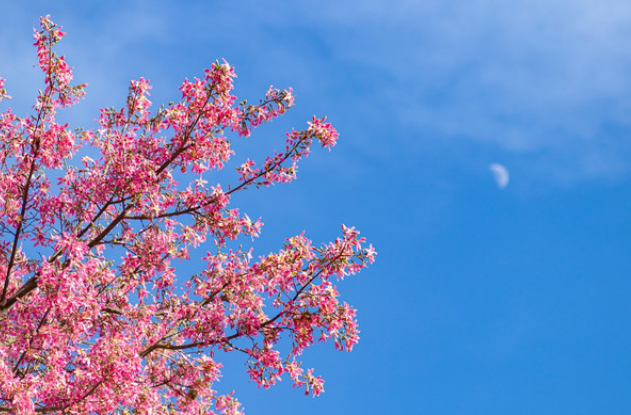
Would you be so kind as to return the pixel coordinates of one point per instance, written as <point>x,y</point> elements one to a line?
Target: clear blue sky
<point>483,300</point>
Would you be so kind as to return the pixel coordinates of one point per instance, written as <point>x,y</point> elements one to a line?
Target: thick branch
<point>18,232</point>
<point>27,287</point>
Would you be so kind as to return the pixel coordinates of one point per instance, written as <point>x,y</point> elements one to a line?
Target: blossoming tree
<point>95,318</point>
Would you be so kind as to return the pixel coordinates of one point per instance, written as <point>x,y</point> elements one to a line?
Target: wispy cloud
<point>526,76</point>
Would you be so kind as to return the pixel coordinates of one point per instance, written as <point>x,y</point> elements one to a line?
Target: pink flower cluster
<point>3,91</point>
<point>96,316</point>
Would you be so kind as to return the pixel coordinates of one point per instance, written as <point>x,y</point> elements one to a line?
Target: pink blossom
<point>96,315</point>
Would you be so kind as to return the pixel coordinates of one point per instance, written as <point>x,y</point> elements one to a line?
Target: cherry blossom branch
<point>25,194</point>
<point>244,185</point>
<point>30,343</point>
<point>93,317</point>
<point>158,344</point>
<point>31,284</point>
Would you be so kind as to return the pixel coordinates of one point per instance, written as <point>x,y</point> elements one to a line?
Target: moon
<point>500,174</point>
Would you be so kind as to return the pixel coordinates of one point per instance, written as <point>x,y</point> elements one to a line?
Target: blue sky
<point>483,300</point>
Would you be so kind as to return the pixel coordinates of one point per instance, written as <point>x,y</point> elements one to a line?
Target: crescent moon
<point>500,174</point>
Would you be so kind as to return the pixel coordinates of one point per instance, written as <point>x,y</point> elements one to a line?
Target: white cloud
<point>525,76</point>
